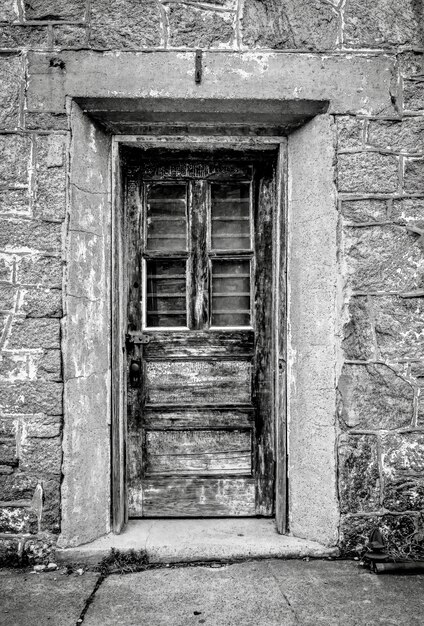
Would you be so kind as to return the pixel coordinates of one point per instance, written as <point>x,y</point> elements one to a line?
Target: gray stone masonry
<point>380,185</point>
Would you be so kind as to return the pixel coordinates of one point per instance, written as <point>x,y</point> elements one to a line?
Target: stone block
<point>70,37</point>
<point>46,121</point>
<point>30,235</point>
<point>37,302</point>
<point>399,327</point>
<point>11,76</point>
<point>7,298</point>
<point>8,452</point>
<point>359,479</point>
<point>125,24</point>
<point>403,456</point>
<point>40,426</point>
<point>408,210</point>
<point>413,178</point>
<point>30,333</point>
<point>374,397</point>
<point>31,397</point>
<point>14,202</point>
<point>282,24</point>
<point>20,37</point>
<point>413,95</point>
<point>411,63</point>
<point>358,341</point>
<point>3,321</point>
<point>49,366</point>
<point>50,515</point>
<point>7,263</point>
<point>382,23</point>
<point>8,11</point>
<point>363,211</point>
<point>382,258</point>
<point>192,27</point>
<point>405,495</point>
<point>50,196</point>
<point>41,456</point>
<point>18,520</point>
<point>355,531</point>
<point>367,172</point>
<point>10,552</point>
<point>55,10</point>
<point>17,486</point>
<point>15,153</point>
<point>8,425</point>
<point>14,366</point>
<point>42,271</point>
<point>405,135</point>
<point>350,132</point>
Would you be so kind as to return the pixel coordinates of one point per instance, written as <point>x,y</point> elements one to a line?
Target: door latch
<point>135,373</point>
<point>137,339</point>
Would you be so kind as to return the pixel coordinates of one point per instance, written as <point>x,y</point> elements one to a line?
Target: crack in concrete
<point>89,191</point>
<point>285,596</point>
<point>90,600</point>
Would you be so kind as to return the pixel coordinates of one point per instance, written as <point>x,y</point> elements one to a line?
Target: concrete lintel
<point>352,83</point>
<point>185,540</point>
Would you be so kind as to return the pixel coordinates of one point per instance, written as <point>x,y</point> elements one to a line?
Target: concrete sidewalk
<point>267,592</point>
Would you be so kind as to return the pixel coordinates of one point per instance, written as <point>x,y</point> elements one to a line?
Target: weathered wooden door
<point>200,334</point>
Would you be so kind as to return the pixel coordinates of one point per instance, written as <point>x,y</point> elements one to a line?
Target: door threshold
<point>194,540</point>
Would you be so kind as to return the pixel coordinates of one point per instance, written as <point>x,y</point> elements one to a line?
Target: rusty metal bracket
<point>137,339</point>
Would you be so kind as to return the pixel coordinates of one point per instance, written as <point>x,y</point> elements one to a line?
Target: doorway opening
<point>203,276</point>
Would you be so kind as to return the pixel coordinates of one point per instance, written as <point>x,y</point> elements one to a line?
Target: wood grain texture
<point>198,290</point>
<point>192,497</point>
<point>198,382</point>
<point>198,344</point>
<point>173,418</point>
<point>198,452</point>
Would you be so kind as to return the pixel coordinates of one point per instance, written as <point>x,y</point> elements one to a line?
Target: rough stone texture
<point>49,366</point>
<point>403,456</point>
<point>404,495</point>
<point>14,159</point>
<point>195,28</point>
<point>366,172</point>
<point>41,302</point>
<point>123,24</point>
<point>19,37</point>
<point>350,131</point>
<point>374,396</point>
<point>41,455</point>
<point>45,121</point>
<point>382,23</point>
<point>70,37</point>
<point>408,210</point>
<point>411,63</point>
<point>10,552</point>
<point>11,74</point>
<point>414,176</point>
<point>32,333</point>
<point>31,397</point>
<point>8,11</point>
<point>413,95</point>
<point>382,258</point>
<point>312,296</point>
<point>406,136</point>
<point>355,532</point>
<point>24,235</point>
<point>15,202</point>
<point>39,270</point>
<point>54,10</point>
<point>358,342</point>
<point>18,520</point>
<point>359,481</point>
<point>50,196</point>
<point>399,327</point>
<point>289,24</point>
<point>361,211</point>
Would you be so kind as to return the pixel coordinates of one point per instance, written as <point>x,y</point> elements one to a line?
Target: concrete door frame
<point>94,315</point>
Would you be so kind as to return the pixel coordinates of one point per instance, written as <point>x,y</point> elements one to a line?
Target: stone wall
<point>380,165</point>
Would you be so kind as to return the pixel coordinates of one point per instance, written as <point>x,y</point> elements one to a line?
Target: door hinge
<point>137,339</point>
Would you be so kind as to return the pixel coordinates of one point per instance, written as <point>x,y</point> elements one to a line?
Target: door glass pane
<point>166,293</point>
<point>230,216</point>
<point>231,292</point>
<point>166,217</point>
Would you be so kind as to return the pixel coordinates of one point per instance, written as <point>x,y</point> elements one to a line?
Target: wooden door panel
<point>200,416</point>
<point>198,382</point>
<point>192,497</point>
<point>198,452</point>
